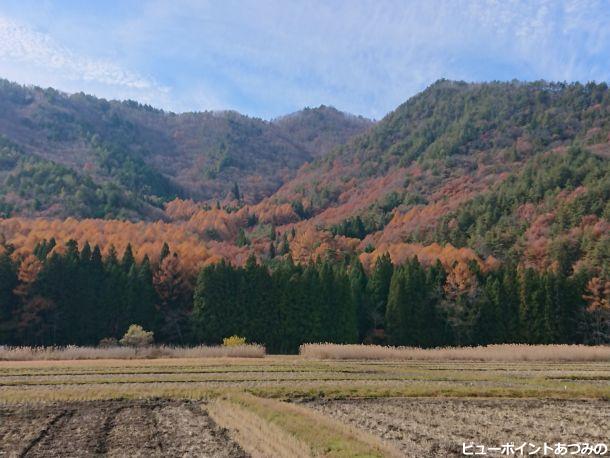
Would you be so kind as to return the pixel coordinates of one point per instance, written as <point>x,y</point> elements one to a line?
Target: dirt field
<point>159,407</point>
<point>113,428</point>
<point>438,427</point>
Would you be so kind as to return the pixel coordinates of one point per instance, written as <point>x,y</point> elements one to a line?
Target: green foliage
<point>281,305</point>
<point>8,299</point>
<point>281,309</point>
<point>452,118</point>
<point>241,239</point>
<point>39,185</point>
<point>137,148</point>
<point>131,172</point>
<point>413,314</point>
<point>80,298</point>
<point>491,223</point>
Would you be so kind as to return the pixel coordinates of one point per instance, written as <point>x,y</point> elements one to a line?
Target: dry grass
<point>510,353</point>
<point>256,436</point>
<point>73,352</point>
<point>298,377</point>
<point>307,429</point>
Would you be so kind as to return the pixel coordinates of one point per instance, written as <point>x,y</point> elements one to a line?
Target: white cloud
<point>369,56</point>
<point>26,51</point>
<point>268,57</point>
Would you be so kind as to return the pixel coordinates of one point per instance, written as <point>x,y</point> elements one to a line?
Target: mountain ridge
<point>452,173</point>
<point>153,156</point>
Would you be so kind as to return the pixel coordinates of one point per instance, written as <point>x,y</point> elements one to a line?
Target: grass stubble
<point>267,427</point>
<point>347,401</point>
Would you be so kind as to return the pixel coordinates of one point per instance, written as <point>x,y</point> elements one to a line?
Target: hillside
<point>517,171</point>
<point>471,214</point>
<point>122,159</point>
<point>320,129</point>
<point>502,171</point>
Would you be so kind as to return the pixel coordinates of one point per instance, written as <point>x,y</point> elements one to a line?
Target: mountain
<point>472,214</point>
<point>320,129</point>
<point>489,172</point>
<point>82,156</point>
<point>517,171</point>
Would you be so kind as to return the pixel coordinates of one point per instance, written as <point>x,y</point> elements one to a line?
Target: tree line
<point>71,296</point>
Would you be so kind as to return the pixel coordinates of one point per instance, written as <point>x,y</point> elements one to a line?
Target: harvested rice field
<point>439,427</point>
<point>296,406</point>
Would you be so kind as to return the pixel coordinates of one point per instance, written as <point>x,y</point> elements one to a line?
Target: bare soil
<point>113,428</point>
<point>439,427</point>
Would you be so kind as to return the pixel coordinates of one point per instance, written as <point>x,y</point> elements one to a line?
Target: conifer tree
<point>379,288</point>
<point>241,240</point>
<point>164,252</point>
<point>8,300</point>
<point>128,260</point>
<point>358,283</point>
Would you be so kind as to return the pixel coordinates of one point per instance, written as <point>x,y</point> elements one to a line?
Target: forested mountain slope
<point>134,157</point>
<point>320,129</point>
<point>518,171</point>
<point>472,214</point>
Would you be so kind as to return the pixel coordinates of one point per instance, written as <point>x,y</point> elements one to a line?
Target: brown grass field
<point>296,405</point>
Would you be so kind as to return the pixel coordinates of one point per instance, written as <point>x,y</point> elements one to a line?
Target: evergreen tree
<point>395,325</point>
<point>8,300</point>
<point>236,192</point>
<point>531,307</point>
<point>379,288</point>
<point>164,252</point>
<point>241,240</point>
<point>358,283</point>
<point>128,260</point>
<point>285,246</point>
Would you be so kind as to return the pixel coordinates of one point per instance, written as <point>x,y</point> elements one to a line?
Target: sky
<point>267,58</point>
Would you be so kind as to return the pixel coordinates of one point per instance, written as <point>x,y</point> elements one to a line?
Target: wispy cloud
<point>23,49</point>
<point>268,57</point>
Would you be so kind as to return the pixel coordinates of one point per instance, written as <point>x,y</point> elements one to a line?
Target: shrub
<point>233,341</point>
<point>137,337</point>
<point>108,342</point>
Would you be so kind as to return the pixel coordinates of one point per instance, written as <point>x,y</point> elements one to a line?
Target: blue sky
<point>267,58</point>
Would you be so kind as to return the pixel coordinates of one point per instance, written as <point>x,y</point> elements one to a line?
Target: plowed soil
<point>438,427</point>
<point>113,428</point>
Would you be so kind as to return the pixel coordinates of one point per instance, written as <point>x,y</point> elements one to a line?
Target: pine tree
<point>531,307</point>
<point>215,309</point>
<point>241,240</point>
<point>128,260</point>
<point>285,246</point>
<point>173,290</point>
<point>510,305</point>
<point>8,300</point>
<point>379,288</point>
<point>358,283</point>
<point>395,326</point>
<point>347,311</point>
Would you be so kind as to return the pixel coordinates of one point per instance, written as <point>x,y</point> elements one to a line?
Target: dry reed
<point>72,352</point>
<point>507,352</point>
